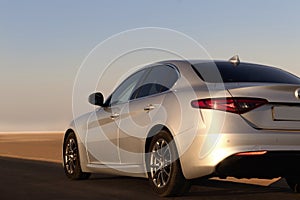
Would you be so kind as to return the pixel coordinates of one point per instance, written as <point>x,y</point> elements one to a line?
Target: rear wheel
<point>71,159</point>
<point>164,170</point>
<point>294,183</point>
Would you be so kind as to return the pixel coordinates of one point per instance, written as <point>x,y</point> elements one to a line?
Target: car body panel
<point>280,97</point>
<point>102,137</point>
<point>134,128</point>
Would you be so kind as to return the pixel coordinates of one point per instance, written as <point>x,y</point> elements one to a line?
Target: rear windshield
<point>244,72</point>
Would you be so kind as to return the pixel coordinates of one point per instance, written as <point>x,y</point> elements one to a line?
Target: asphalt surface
<point>24,179</point>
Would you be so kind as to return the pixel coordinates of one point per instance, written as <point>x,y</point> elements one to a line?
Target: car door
<point>143,111</point>
<point>102,136</point>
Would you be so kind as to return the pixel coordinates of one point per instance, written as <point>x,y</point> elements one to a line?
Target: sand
<point>33,146</point>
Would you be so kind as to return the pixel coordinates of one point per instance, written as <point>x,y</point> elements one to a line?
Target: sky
<point>44,43</point>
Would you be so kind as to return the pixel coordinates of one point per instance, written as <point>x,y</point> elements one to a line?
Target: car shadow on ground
<point>217,189</point>
<point>207,188</point>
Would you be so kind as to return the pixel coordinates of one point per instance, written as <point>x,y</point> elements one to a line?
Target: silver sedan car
<point>179,120</point>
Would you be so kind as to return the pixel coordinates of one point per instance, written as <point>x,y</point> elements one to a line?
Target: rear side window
<point>244,72</point>
<point>159,79</point>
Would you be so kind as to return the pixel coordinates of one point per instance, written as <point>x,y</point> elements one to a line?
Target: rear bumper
<point>209,148</point>
<point>270,165</point>
<point>219,157</point>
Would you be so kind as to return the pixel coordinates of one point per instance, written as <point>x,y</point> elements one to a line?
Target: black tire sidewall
<point>78,174</point>
<point>176,181</point>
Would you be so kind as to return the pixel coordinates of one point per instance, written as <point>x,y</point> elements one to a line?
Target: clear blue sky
<point>42,44</point>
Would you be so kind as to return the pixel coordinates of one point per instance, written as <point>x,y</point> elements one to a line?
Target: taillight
<point>237,105</point>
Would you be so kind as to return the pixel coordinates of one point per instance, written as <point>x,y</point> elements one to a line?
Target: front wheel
<point>71,159</point>
<point>164,169</point>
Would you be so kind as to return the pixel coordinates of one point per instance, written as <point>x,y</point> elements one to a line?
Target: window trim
<point>108,100</point>
<point>149,71</point>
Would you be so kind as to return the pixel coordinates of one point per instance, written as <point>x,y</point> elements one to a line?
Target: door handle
<point>149,107</point>
<point>115,116</point>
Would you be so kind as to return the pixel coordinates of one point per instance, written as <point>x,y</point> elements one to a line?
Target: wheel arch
<point>67,133</point>
<point>153,131</point>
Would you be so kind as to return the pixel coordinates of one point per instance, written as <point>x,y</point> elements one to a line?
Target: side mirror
<point>96,99</point>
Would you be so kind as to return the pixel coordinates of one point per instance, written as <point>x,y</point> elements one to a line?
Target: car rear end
<point>258,120</point>
<point>276,139</point>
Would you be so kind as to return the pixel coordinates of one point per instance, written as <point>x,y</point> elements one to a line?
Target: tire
<point>71,159</point>
<point>164,169</point>
<point>294,183</point>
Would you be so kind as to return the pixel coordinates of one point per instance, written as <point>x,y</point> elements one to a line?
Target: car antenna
<point>235,60</point>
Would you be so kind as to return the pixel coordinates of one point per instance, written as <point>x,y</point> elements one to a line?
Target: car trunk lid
<point>281,113</point>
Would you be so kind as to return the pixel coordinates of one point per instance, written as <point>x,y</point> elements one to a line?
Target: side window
<point>160,78</point>
<point>123,93</point>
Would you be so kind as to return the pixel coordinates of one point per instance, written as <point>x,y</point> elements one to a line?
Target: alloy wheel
<point>160,163</point>
<point>71,154</point>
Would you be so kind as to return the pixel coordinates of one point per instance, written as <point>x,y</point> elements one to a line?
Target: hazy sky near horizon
<point>43,43</point>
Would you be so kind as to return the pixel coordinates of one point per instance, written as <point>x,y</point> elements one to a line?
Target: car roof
<point>218,62</point>
<point>193,62</point>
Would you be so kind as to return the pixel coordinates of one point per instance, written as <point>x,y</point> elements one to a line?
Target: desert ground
<point>32,146</point>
